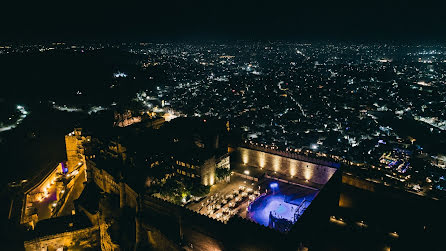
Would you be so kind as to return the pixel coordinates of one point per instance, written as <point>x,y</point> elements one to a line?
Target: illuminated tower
<point>75,150</point>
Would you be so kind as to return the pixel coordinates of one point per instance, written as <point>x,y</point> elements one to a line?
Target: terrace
<point>227,199</point>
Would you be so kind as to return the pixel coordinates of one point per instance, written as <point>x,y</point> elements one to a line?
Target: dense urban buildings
<point>348,102</point>
<point>193,145</point>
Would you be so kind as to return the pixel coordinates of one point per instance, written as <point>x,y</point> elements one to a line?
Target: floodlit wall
<point>207,170</point>
<point>288,166</point>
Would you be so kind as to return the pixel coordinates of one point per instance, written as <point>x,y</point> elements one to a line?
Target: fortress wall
<point>315,173</point>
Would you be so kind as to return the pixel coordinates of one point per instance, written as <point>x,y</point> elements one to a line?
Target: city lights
<point>217,137</point>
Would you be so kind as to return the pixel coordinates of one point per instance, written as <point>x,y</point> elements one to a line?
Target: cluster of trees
<point>222,173</point>
<point>179,188</point>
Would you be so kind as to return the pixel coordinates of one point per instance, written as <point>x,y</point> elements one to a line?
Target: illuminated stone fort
<point>113,212</point>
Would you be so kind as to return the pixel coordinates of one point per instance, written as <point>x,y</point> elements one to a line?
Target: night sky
<point>218,19</point>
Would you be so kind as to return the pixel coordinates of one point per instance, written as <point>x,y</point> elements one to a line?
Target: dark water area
<point>432,142</point>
